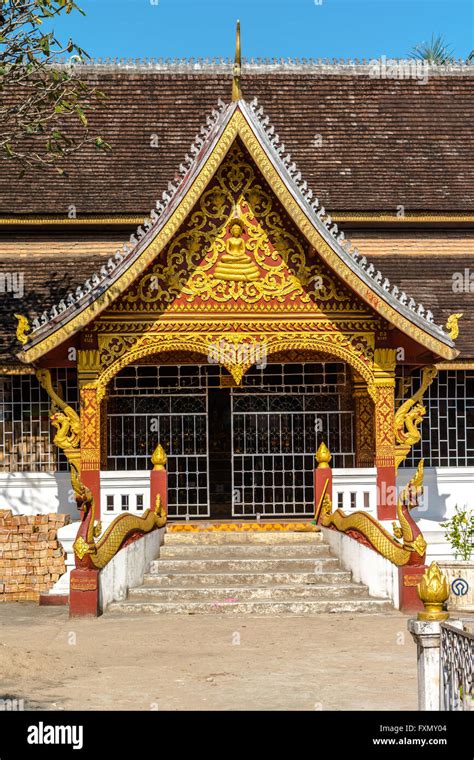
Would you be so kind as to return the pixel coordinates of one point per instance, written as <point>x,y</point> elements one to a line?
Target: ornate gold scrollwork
<point>248,348</point>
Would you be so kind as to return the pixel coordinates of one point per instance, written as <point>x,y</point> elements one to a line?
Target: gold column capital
<point>385,360</point>
<point>88,366</point>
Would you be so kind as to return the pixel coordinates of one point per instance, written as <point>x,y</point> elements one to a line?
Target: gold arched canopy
<point>238,353</point>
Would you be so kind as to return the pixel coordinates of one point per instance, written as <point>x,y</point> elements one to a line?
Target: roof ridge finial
<point>236,91</point>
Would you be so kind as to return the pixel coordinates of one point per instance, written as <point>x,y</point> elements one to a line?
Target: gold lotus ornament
<point>433,591</point>
<point>323,456</point>
<point>159,458</point>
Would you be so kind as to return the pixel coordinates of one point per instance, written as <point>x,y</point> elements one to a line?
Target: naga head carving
<point>417,414</point>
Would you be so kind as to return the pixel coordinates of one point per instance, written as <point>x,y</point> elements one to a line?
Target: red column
<point>84,586</point>
<point>322,479</point>
<point>159,478</point>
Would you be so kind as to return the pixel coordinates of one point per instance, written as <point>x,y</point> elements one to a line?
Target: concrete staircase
<point>249,572</point>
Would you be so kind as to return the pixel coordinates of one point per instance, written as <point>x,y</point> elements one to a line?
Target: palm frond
<point>435,51</point>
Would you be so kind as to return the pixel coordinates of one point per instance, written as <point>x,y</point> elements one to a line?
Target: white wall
<point>37,493</point>
<point>367,567</point>
<point>444,488</point>
<point>40,493</point>
<point>128,568</point>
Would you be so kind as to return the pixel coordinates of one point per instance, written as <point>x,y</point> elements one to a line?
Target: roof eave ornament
<point>452,327</point>
<point>237,70</point>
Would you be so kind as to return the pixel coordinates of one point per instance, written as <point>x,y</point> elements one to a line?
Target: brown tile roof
<point>431,282</point>
<point>383,142</point>
<point>44,282</point>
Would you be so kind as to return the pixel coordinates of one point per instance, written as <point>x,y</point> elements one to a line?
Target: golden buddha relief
<point>235,265</point>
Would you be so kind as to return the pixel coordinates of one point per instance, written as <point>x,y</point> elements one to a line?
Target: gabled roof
<point>249,123</point>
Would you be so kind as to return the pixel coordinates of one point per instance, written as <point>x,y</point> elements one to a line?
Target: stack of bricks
<point>31,557</point>
<point>30,453</point>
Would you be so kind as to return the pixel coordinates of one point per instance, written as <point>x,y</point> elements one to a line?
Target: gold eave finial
<point>452,325</point>
<point>236,91</point>
<point>22,328</point>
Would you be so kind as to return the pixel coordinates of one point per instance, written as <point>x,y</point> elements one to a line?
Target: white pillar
<point>427,635</point>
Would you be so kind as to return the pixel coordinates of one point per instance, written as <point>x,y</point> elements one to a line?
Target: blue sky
<point>270,28</point>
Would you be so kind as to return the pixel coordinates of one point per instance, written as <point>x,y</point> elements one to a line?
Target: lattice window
<point>447,432</point>
<point>26,435</point>
<point>146,380</point>
<point>279,417</point>
<point>149,404</point>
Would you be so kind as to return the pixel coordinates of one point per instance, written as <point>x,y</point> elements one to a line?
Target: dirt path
<point>325,662</point>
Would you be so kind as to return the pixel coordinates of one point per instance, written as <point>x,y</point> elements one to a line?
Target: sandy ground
<point>186,662</point>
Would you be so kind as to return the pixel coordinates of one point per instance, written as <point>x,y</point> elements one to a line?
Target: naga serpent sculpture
<point>92,555</point>
<point>368,530</point>
<point>66,421</point>
<point>409,417</point>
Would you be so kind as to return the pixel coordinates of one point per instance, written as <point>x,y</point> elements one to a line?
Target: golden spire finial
<point>323,456</point>
<point>236,91</point>
<point>159,458</point>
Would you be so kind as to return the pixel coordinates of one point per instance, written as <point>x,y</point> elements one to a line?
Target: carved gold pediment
<point>238,249</point>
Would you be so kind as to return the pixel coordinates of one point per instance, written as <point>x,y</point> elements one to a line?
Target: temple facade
<point>302,279</point>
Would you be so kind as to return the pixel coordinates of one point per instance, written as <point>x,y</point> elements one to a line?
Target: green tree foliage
<point>459,531</point>
<point>40,97</point>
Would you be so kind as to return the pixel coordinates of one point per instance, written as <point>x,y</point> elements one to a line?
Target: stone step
<point>248,537</point>
<point>223,565</point>
<point>186,580</point>
<point>247,593</point>
<point>245,551</point>
<point>260,607</point>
